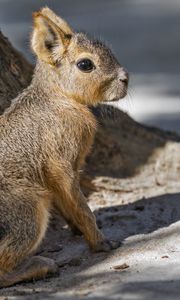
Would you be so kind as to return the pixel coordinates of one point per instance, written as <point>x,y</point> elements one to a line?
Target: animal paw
<point>106,245</point>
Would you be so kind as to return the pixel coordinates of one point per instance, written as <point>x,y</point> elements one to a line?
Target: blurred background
<point>145,36</point>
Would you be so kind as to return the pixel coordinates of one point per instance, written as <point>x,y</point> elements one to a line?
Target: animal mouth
<point>114,99</point>
<point>119,98</point>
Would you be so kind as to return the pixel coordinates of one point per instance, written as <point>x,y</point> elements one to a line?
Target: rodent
<point>45,137</point>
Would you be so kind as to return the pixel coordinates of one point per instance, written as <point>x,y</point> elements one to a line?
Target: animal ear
<point>46,11</point>
<point>51,36</point>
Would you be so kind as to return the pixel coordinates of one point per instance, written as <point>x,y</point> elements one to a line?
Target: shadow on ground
<point>122,222</point>
<point>142,217</point>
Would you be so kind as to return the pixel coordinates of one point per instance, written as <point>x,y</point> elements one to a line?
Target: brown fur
<point>45,137</point>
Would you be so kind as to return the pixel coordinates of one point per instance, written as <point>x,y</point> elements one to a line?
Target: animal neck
<point>47,80</point>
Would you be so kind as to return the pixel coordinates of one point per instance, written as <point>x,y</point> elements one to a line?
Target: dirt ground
<point>135,194</point>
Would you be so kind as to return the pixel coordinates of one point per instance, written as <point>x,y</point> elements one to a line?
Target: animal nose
<point>124,76</point>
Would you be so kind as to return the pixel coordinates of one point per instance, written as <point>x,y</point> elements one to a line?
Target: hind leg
<point>36,267</point>
<point>23,222</point>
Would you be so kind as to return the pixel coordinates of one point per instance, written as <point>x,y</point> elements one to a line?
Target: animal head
<point>85,69</point>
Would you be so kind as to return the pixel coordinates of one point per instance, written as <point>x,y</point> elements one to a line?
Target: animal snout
<point>123,76</point>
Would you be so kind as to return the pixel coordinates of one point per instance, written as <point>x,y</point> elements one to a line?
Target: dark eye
<point>85,65</point>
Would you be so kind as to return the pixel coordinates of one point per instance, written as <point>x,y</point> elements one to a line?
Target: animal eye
<point>85,65</point>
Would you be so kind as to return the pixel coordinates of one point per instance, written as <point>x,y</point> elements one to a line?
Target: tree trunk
<point>15,72</point>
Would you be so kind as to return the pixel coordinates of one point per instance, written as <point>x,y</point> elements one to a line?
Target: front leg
<point>73,206</point>
<point>60,208</point>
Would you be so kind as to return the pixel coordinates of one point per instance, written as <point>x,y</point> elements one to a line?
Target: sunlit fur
<point>45,136</point>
